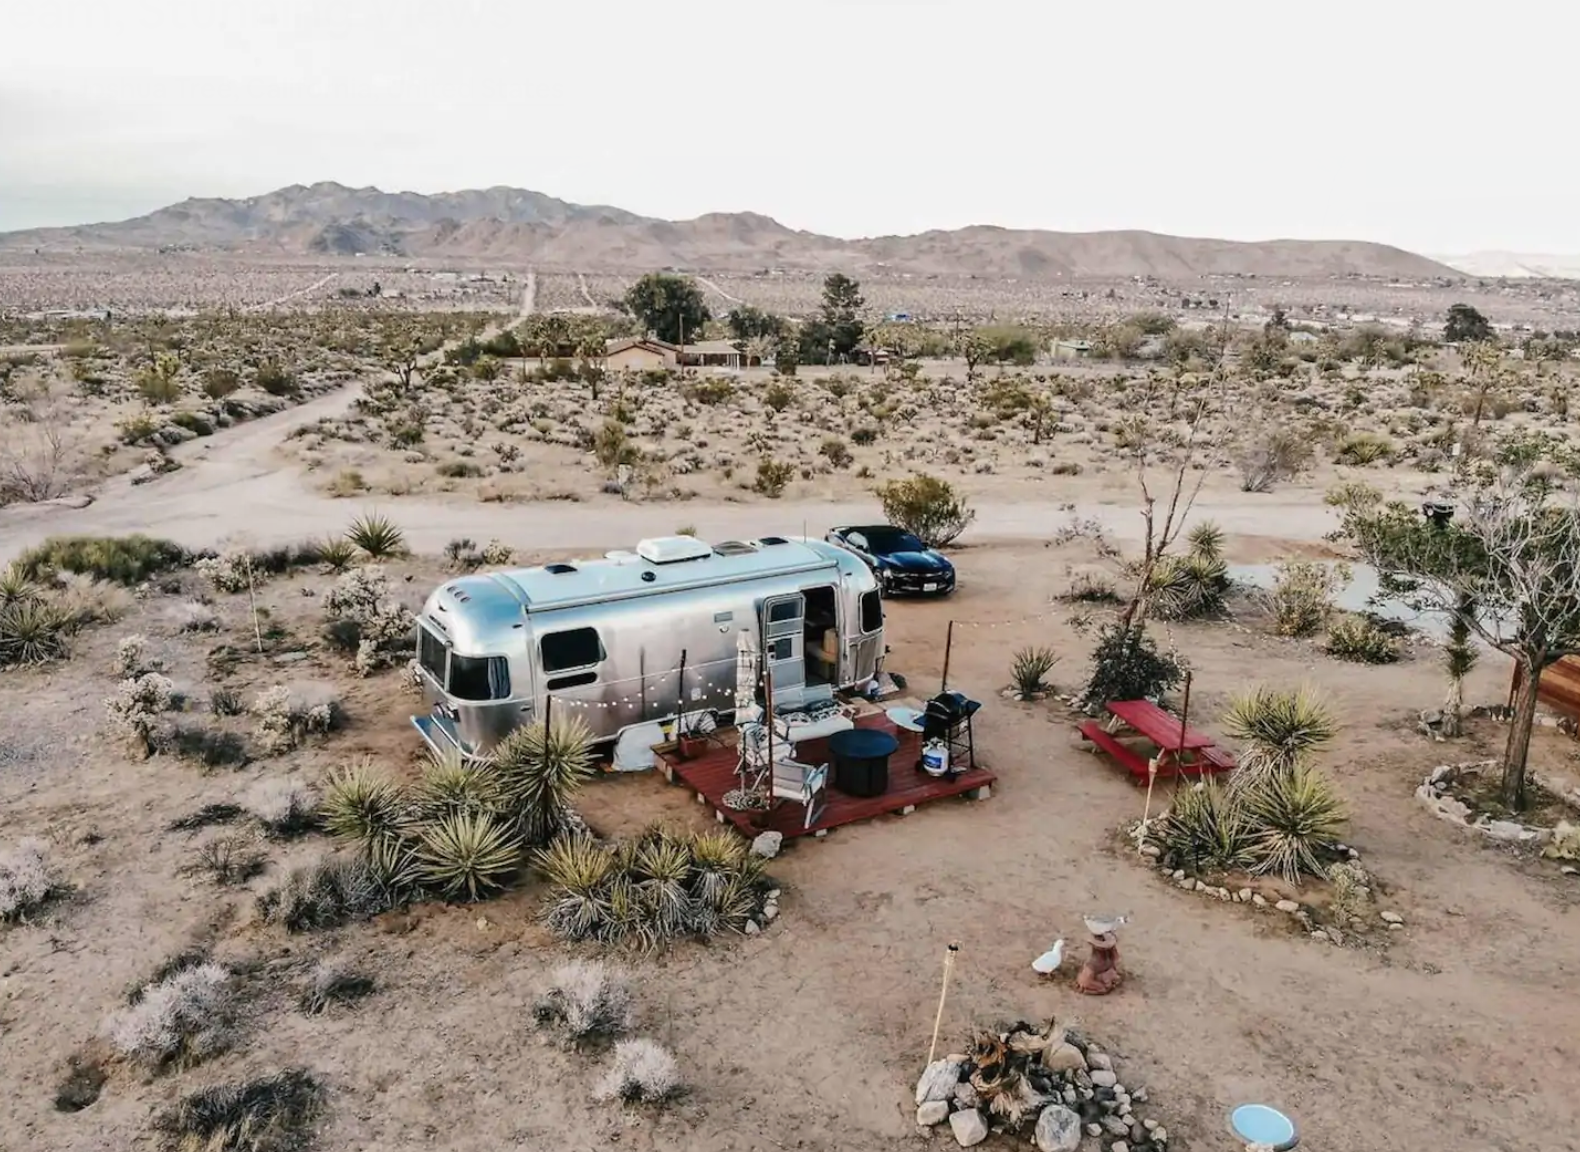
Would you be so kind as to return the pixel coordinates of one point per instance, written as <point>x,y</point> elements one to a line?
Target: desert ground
<point>1452,1031</point>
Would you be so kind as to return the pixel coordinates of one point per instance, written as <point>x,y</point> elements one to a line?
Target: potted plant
<point>692,731</point>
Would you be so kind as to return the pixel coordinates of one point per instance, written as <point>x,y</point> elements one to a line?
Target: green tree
<point>841,315</point>
<point>1505,566</point>
<point>672,307</point>
<point>1465,325</point>
<point>746,322</point>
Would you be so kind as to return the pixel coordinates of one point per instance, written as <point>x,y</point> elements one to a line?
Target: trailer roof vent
<point>672,549</point>
<point>559,569</point>
<point>621,556</point>
<point>769,541</point>
<point>734,548</point>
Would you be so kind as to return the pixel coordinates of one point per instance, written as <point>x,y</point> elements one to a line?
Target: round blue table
<point>861,760</point>
<point>1260,1124</point>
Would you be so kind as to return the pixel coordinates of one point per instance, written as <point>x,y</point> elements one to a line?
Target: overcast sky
<point>1441,127</point>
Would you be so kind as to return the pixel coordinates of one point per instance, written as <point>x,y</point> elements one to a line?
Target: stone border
<point>1327,934</point>
<point>1435,793</point>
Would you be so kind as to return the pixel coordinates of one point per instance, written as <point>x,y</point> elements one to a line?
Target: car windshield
<point>892,540</point>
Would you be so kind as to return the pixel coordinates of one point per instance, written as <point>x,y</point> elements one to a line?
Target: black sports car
<point>900,560</point>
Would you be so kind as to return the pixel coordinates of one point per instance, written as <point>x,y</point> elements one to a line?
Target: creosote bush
<point>1303,596</point>
<point>124,560</point>
<point>927,507</point>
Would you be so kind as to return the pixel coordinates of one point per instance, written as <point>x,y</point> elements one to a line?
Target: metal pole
<point>949,643</point>
<point>548,704</point>
<point>1184,715</point>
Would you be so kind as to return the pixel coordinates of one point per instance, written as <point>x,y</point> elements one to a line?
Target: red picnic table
<point>1181,750</point>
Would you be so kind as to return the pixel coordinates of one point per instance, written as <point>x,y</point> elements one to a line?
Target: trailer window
<point>479,678</point>
<point>871,612</point>
<point>431,654</point>
<point>573,648</point>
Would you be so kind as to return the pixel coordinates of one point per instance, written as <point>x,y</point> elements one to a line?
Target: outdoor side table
<point>861,760</point>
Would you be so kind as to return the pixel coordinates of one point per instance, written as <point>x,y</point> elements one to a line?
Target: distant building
<point>637,353</point>
<point>717,354</point>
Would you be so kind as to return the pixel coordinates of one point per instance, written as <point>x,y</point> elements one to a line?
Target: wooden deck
<point>712,774</point>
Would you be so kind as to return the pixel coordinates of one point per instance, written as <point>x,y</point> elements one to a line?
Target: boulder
<point>1287,906</point>
<point>1058,1130</point>
<point>938,1081</point>
<point>933,1112</point>
<point>768,844</point>
<point>1066,1058</point>
<point>969,1127</point>
<point>965,1094</point>
<point>1104,1078</point>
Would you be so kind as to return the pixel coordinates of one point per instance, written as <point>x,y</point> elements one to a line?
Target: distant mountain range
<point>513,225</point>
<point>1515,265</point>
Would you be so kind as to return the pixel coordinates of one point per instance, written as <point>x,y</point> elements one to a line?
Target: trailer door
<point>784,647</point>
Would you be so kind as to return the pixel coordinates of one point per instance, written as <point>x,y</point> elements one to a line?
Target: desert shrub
<point>1350,894</point>
<point>226,702</point>
<point>715,390</point>
<point>267,1114</point>
<point>1303,595</point>
<point>124,560</point>
<point>1206,829</point>
<point>211,748</point>
<point>227,860</point>
<point>286,718</point>
<point>612,445</point>
<point>182,1019</point>
<point>272,378</point>
<point>332,984</point>
<point>196,616</point>
<point>219,383</point>
<point>337,553</point>
<point>230,571</point>
<point>649,890</point>
<point>1363,448</point>
<point>284,808</point>
<point>778,396</point>
<point>1297,817</point>
<point>360,600</point>
<point>26,880</point>
<point>773,476</point>
<point>640,1071</point>
<point>864,435</point>
<point>586,1002</point>
<point>927,507</point>
<point>1029,668</point>
<point>332,892</point>
<point>496,553</point>
<point>1092,588</point>
<point>32,631</point>
<point>835,451</point>
<point>1358,640</point>
<point>85,600</point>
<point>130,661</point>
<point>137,705</point>
<point>1277,729</point>
<point>539,769</point>
<point>159,382</point>
<point>1206,540</point>
<point>1126,665</point>
<point>377,536</point>
<point>467,854</point>
<point>1271,456</point>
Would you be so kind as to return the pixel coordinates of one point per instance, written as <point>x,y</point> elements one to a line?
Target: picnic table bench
<point>1182,750</point>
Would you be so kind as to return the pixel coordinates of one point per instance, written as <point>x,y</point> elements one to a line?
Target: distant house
<point>637,353</point>
<point>1071,349</point>
<point>717,354</point>
<point>866,355</point>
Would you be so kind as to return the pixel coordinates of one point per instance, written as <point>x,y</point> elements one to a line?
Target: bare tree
<point>37,453</point>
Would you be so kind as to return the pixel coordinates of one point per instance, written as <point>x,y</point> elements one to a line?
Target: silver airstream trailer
<point>642,637</point>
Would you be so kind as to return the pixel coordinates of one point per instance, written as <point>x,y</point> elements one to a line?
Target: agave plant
<point>1206,540</point>
<point>377,536</point>
<point>363,805</point>
<point>32,632</point>
<point>450,785</point>
<point>467,854</point>
<point>538,769</point>
<point>1279,729</point>
<point>1030,667</point>
<point>1207,829</point>
<point>1296,816</point>
<point>337,553</point>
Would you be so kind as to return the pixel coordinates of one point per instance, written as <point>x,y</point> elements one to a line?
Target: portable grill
<point>947,717</point>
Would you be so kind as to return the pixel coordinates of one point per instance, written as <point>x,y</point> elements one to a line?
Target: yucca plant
<point>467,854</point>
<point>1295,816</point>
<point>715,857</point>
<point>538,770</point>
<point>32,632</point>
<point>15,587</point>
<point>363,805</point>
<point>1206,828</point>
<point>1206,540</point>
<point>450,785</point>
<point>1278,729</point>
<point>630,920</point>
<point>579,870</point>
<point>337,553</point>
<point>393,865</point>
<point>737,902</point>
<point>1030,667</point>
<point>663,865</point>
<point>377,536</point>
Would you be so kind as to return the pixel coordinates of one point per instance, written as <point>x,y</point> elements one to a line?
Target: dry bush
<point>1360,641</point>
<point>1271,456</point>
<point>586,1002</point>
<point>1303,595</point>
<point>287,717</point>
<point>182,1019</point>
<point>641,1071</point>
<point>332,892</point>
<point>227,860</point>
<point>266,1114</point>
<point>26,880</point>
<point>333,984</point>
<point>285,808</point>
